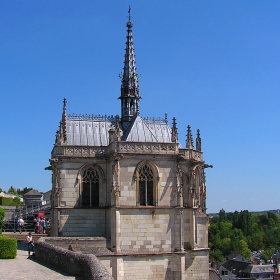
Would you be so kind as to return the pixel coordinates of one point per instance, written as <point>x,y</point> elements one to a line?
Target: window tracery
<point>146,185</point>
<point>90,187</point>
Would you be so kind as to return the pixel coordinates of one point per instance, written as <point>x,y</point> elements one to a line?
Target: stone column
<point>54,223</point>
<point>118,231</point>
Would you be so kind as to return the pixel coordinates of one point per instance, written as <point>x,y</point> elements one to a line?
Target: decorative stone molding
<point>190,154</point>
<point>150,148</point>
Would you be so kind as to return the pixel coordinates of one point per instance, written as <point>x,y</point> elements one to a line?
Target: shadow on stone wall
<point>74,263</point>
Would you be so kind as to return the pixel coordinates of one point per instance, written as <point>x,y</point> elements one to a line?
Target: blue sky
<point>214,65</point>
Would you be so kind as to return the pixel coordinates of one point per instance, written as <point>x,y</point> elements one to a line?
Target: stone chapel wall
<point>148,230</point>
<point>144,267</point>
<point>166,178</point>
<point>83,222</point>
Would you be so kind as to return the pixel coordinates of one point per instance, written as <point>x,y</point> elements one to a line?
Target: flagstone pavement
<point>28,268</point>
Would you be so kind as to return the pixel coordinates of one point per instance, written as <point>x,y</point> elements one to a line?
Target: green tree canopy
<point>12,190</point>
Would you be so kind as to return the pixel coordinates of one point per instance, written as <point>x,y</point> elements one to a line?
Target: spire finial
<point>189,138</point>
<point>61,134</point>
<point>198,141</point>
<point>63,121</point>
<point>174,133</point>
<point>129,13</point>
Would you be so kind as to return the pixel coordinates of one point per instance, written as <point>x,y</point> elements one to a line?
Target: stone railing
<point>73,263</point>
<point>191,154</point>
<point>78,151</point>
<point>120,147</point>
<point>147,148</point>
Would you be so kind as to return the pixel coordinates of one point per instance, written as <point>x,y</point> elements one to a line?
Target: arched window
<point>146,185</point>
<point>90,187</point>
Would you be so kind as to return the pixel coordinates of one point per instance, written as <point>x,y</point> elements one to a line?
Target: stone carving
<point>179,174</point>
<point>198,141</point>
<point>115,174</point>
<point>56,177</point>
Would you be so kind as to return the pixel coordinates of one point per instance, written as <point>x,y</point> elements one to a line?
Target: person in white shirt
<point>20,224</point>
<point>30,243</point>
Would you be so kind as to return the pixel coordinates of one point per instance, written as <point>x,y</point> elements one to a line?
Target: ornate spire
<point>198,141</point>
<point>61,134</point>
<point>174,132</point>
<point>129,87</point>
<point>64,117</point>
<point>189,138</point>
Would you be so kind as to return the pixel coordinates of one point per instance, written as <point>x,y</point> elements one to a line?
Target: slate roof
<point>236,267</point>
<point>259,269</point>
<point>88,132</point>
<point>32,193</point>
<point>142,130</point>
<point>92,132</point>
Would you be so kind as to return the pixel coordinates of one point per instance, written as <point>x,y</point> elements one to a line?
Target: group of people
<point>41,225</point>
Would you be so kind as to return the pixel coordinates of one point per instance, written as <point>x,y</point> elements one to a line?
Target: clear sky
<point>214,65</point>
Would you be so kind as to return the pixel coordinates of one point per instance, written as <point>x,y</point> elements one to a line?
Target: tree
<point>24,191</point>
<point>216,255</point>
<point>2,215</point>
<point>12,191</point>
<point>222,215</point>
<point>1,190</point>
<point>235,219</point>
<point>245,222</point>
<point>17,201</point>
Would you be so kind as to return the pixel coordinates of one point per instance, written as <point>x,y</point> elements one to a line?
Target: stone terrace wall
<point>82,244</point>
<point>71,262</point>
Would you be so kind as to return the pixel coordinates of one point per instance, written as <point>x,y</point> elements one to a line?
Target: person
<point>38,225</point>
<point>44,225</point>
<point>20,224</point>
<point>30,243</point>
<point>35,222</point>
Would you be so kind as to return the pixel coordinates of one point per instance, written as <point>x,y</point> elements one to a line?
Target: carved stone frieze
<point>147,148</point>
<point>78,151</point>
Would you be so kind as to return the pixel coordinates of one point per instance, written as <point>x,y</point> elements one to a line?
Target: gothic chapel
<point>126,178</point>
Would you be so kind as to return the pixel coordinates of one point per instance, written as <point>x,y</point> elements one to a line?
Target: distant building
<point>47,198</point>
<point>33,197</point>
<point>129,179</point>
<point>237,269</point>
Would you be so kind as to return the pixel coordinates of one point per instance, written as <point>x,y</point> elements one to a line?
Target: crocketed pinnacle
<point>129,87</point>
<point>64,117</point>
<point>198,141</point>
<point>61,134</point>
<point>174,132</point>
<point>189,144</point>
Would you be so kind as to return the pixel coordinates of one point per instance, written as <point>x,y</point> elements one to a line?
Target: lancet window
<point>90,187</point>
<point>146,185</point>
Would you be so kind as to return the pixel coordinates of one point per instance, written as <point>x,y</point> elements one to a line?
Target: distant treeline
<point>243,232</point>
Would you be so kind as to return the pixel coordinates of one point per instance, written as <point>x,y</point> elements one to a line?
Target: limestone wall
<point>196,265</point>
<point>147,230</point>
<point>83,222</point>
